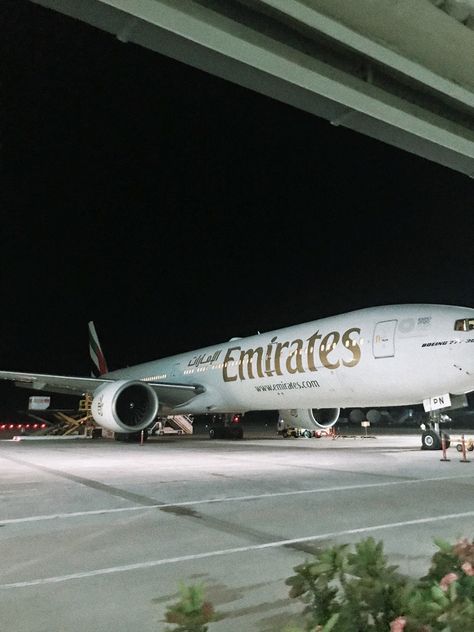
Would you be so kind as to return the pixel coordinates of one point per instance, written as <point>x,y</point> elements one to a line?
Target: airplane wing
<point>169,394</point>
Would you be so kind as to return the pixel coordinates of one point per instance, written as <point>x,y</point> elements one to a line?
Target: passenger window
<point>464,324</point>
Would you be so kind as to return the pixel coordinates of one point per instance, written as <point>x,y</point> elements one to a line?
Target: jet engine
<point>124,406</point>
<point>310,417</point>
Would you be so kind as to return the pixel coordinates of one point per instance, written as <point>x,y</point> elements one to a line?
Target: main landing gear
<point>226,427</point>
<point>432,435</point>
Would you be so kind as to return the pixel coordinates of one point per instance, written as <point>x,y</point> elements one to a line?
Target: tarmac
<point>97,535</point>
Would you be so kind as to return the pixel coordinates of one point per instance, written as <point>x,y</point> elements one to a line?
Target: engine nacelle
<point>310,417</point>
<point>124,406</point>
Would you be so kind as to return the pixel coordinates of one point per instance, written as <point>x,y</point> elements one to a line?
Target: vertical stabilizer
<point>97,357</point>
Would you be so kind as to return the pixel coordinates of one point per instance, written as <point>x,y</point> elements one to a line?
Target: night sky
<point>177,210</point>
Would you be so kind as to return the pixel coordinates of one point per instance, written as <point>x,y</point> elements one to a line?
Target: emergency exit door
<point>384,339</point>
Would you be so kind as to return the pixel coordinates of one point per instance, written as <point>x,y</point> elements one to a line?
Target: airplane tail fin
<point>97,357</point>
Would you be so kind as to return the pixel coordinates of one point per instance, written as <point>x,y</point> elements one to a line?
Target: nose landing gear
<point>432,435</point>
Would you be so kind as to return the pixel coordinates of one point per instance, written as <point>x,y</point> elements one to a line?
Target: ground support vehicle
<point>469,443</point>
<point>160,428</point>
<point>290,431</point>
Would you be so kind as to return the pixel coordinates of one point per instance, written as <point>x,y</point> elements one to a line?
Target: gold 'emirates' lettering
<point>294,362</point>
<point>311,345</point>
<point>328,343</point>
<point>246,358</point>
<point>279,348</point>
<point>353,347</point>
<point>229,358</point>
<point>261,362</point>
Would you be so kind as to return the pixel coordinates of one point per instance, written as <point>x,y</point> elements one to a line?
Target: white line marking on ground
<point>241,549</point>
<point>206,501</point>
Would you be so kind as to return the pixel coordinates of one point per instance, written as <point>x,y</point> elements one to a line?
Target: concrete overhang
<point>395,71</point>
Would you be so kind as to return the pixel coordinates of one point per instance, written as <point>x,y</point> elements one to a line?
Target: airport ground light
<point>348,588</point>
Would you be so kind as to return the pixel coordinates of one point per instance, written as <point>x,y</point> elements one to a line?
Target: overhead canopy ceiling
<point>401,72</point>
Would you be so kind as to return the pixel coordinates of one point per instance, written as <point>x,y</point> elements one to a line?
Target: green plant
<point>444,599</point>
<point>354,589</point>
<point>350,592</point>
<point>191,613</point>
<point>360,592</point>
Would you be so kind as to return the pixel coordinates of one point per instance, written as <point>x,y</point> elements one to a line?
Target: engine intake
<point>124,406</point>
<point>310,417</point>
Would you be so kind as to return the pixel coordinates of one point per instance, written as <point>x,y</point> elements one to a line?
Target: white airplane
<point>380,356</point>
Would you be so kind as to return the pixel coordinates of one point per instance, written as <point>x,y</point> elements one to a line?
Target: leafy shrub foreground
<point>192,612</point>
<point>354,589</point>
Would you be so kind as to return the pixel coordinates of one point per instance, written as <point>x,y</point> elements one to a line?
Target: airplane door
<point>383,343</point>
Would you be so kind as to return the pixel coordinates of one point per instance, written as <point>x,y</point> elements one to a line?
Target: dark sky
<point>177,210</point>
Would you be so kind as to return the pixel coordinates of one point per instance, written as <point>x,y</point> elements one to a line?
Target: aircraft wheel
<point>212,433</point>
<point>459,447</point>
<point>430,441</point>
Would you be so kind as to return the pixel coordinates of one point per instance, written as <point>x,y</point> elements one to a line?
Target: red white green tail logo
<point>97,357</point>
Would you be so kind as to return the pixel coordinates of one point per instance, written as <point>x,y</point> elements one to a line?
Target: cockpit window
<point>464,324</point>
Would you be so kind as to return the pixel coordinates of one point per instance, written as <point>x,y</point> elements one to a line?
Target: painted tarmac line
<point>207,501</point>
<point>232,551</point>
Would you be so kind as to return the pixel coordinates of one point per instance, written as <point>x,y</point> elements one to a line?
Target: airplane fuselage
<point>379,356</point>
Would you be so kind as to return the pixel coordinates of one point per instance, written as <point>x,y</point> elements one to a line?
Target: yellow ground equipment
<point>469,443</point>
